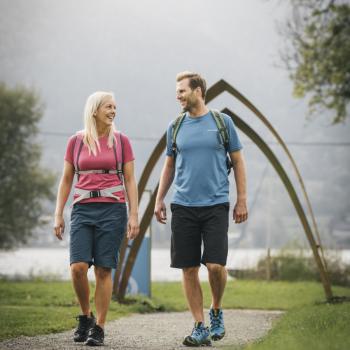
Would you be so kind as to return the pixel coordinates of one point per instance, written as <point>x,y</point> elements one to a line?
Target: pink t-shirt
<point>104,159</point>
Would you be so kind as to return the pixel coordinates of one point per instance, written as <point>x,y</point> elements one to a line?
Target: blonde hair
<point>93,102</point>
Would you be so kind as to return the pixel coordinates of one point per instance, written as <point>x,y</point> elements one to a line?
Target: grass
<point>321,327</point>
<point>38,307</point>
<point>308,324</point>
<point>249,294</point>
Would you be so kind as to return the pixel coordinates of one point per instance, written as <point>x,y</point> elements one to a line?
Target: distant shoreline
<point>53,263</point>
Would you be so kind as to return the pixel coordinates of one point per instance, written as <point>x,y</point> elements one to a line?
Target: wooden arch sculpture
<point>125,267</point>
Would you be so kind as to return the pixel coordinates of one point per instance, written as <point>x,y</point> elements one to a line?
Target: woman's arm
<point>64,189</point>
<point>131,190</point>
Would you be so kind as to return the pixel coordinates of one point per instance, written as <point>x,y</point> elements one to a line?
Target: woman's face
<point>105,114</point>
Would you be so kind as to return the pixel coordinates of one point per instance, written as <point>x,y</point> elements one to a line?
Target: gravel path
<point>157,331</point>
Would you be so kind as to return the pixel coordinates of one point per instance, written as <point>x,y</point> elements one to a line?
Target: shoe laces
<point>197,332</point>
<point>215,320</point>
<point>83,324</point>
<point>96,331</point>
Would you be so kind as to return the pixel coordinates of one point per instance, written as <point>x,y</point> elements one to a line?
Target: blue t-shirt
<point>200,168</point>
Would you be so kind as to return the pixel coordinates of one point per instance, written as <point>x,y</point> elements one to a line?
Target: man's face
<point>188,98</point>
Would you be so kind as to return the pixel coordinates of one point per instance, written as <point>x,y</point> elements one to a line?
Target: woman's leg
<point>81,285</point>
<point>103,293</point>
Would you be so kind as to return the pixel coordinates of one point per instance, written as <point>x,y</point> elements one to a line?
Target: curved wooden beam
<point>246,129</point>
<point>222,86</point>
<point>125,268</point>
<point>214,91</point>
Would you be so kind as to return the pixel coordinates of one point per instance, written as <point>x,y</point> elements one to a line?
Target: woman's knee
<point>103,272</point>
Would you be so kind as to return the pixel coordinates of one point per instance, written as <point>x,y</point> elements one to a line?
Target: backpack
<point>220,124</point>
<point>106,192</point>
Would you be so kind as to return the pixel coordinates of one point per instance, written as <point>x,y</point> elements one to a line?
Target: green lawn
<point>309,323</point>
<point>321,327</point>
<point>38,307</point>
<point>30,308</point>
<point>245,294</point>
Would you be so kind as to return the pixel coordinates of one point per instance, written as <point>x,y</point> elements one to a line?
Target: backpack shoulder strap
<point>175,130</point>
<point>118,149</point>
<point>76,152</point>
<point>73,149</point>
<point>78,141</point>
<point>220,123</point>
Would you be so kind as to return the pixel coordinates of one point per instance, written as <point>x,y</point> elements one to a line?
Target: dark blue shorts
<point>96,233</point>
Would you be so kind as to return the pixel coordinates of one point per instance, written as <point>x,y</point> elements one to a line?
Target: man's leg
<point>103,293</point>
<point>81,285</point>
<point>217,280</point>
<point>193,292</point>
<point>215,252</point>
<point>186,254</point>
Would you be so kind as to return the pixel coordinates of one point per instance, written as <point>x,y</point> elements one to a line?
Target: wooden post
<point>268,265</point>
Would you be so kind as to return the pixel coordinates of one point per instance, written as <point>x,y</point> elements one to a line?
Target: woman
<point>101,158</point>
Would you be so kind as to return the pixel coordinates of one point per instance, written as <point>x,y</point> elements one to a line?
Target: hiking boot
<point>85,323</point>
<point>217,328</point>
<point>200,336</point>
<point>96,336</point>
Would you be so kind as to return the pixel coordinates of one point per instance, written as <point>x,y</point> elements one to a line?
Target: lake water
<point>54,262</point>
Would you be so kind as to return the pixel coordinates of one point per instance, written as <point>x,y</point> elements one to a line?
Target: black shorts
<point>190,226</point>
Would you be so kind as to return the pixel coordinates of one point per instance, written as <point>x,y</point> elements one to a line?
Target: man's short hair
<point>195,80</point>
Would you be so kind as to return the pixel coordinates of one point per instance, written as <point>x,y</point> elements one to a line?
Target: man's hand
<point>160,212</point>
<point>240,212</point>
<point>133,226</point>
<point>59,227</point>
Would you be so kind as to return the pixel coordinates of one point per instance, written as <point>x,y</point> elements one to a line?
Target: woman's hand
<point>59,226</point>
<point>133,226</point>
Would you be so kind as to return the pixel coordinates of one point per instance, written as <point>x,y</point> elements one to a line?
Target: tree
<point>317,54</point>
<point>23,184</point>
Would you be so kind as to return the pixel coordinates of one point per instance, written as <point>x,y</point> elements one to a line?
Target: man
<point>200,204</point>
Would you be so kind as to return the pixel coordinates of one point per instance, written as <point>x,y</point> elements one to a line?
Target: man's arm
<point>166,179</point>
<point>240,212</point>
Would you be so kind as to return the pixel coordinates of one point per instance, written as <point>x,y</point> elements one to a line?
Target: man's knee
<point>102,273</point>
<point>190,272</point>
<point>79,269</point>
<point>216,269</point>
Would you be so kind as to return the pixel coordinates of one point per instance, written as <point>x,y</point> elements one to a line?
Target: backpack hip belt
<point>101,171</point>
<point>107,192</point>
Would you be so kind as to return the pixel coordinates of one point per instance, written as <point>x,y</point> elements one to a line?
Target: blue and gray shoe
<point>200,336</point>
<point>217,328</point>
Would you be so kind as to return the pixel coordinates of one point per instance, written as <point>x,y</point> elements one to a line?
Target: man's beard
<point>190,105</point>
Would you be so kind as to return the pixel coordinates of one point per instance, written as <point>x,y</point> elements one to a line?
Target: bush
<point>297,265</point>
